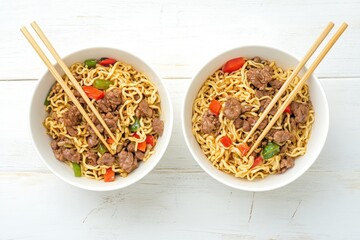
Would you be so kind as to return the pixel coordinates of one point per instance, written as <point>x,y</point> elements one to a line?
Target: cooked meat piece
<point>111,121</point>
<point>232,108</point>
<point>78,96</point>
<point>238,123</point>
<point>245,109</point>
<point>257,59</point>
<point>59,155</point>
<point>286,163</point>
<point>99,127</point>
<point>143,109</point>
<point>259,77</point>
<point>262,93</point>
<point>271,133</point>
<point>71,155</point>
<point>72,131</point>
<point>136,97</point>
<point>63,141</point>
<point>263,105</point>
<point>91,158</point>
<point>284,148</point>
<point>72,116</point>
<point>114,96</point>
<point>131,147</point>
<point>92,140</point>
<point>158,126</point>
<point>300,110</point>
<point>54,145</point>
<point>126,161</point>
<point>263,124</point>
<point>249,123</point>
<point>210,123</point>
<point>280,137</point>
<point>264,142</point>
<point>139,155</point>
<point>103,105</point>
<point>276,84</point>
<point>106,159</point>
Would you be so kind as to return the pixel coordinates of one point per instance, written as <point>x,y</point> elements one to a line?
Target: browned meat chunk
<point>232,108</point>
<point>263,124</point>
<point>262,93</point>
<point>78,96</point>
<point>139,155</point>
<point>259,77</point>
<point>72,117</point>
<point>106,159</point>
<point>114,97</point>
<point>276,84</point>
<point>257,59</point>
<point>286,163</point>
<point>293,124</point>
<point>72,131</point>
<point>245,109</point>
<point>264,104</point>
<point>143,109</point>
<point>280,137</point>
<point>210,123</point>
<point>91,158</point>
<point>300,111</point>
<point>111,121</point>
<point>238,123</point>
<point>158,126</point>
<point>103,105</point>
<point>71,155</point>
<point>127,161</point>
<point>54,145</point>
<point>131,147</point>
<point>92,140</point>
<point>59,155</point>
<point>249,123</point>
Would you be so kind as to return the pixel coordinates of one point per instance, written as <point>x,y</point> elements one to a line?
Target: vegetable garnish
<point>270,150</point>
<point>150,140</point>
<point>226,141</point>
<point>233,65</point>
<point>288,109</point>
<point>141,146</point>
<point>244,148</point>
<point>110,141</point>
<point>257,161</point>
<point>109,175</point>
<point>102,149</point>
<point>102,84</point>
<point>93,93</point>
<point>77,169</point>
<point>107,61</point>
<point>135,126</point>
<point>215,107</point>
<point>90,63</point>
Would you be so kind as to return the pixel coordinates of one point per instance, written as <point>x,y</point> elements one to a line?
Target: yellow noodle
<point>222,85</point>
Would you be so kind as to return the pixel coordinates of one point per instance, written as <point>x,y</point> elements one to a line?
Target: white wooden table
<point>177,200</point>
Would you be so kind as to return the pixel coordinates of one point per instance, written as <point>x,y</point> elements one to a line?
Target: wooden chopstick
<point>77,86</point>
<point>63,85</point>
<point>298,87</point>
<point>307,56</point>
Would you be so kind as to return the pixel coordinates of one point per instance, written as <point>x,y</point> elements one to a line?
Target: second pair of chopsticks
<point>300,84</point>
<point>67,90</point>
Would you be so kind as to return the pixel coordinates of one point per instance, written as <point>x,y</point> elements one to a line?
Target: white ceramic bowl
<point>318,133</point>
<point>42,140</point>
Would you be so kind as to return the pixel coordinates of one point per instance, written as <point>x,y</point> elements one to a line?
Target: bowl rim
<point>144,172</point>
<point>203,165</point>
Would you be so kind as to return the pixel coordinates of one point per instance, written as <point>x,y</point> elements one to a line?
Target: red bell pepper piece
<point>107,61</point>
<point>226,141</point>
<point>257,161</point>
<point>110,141</point>
<point>244,149</point>
<point>150,140</point>
<point>93,93</point>
<point>109,175</point>
<point>142,145</point>
<point>215,107</point>
<point>233,64</point>
<point>288,109</point>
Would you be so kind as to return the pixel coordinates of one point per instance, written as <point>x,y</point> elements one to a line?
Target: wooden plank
<point>177,38</point>
<point>180,206</point>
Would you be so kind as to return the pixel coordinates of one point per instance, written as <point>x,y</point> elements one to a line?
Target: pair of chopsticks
<point>300,84</point>
<point>67,90</point>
